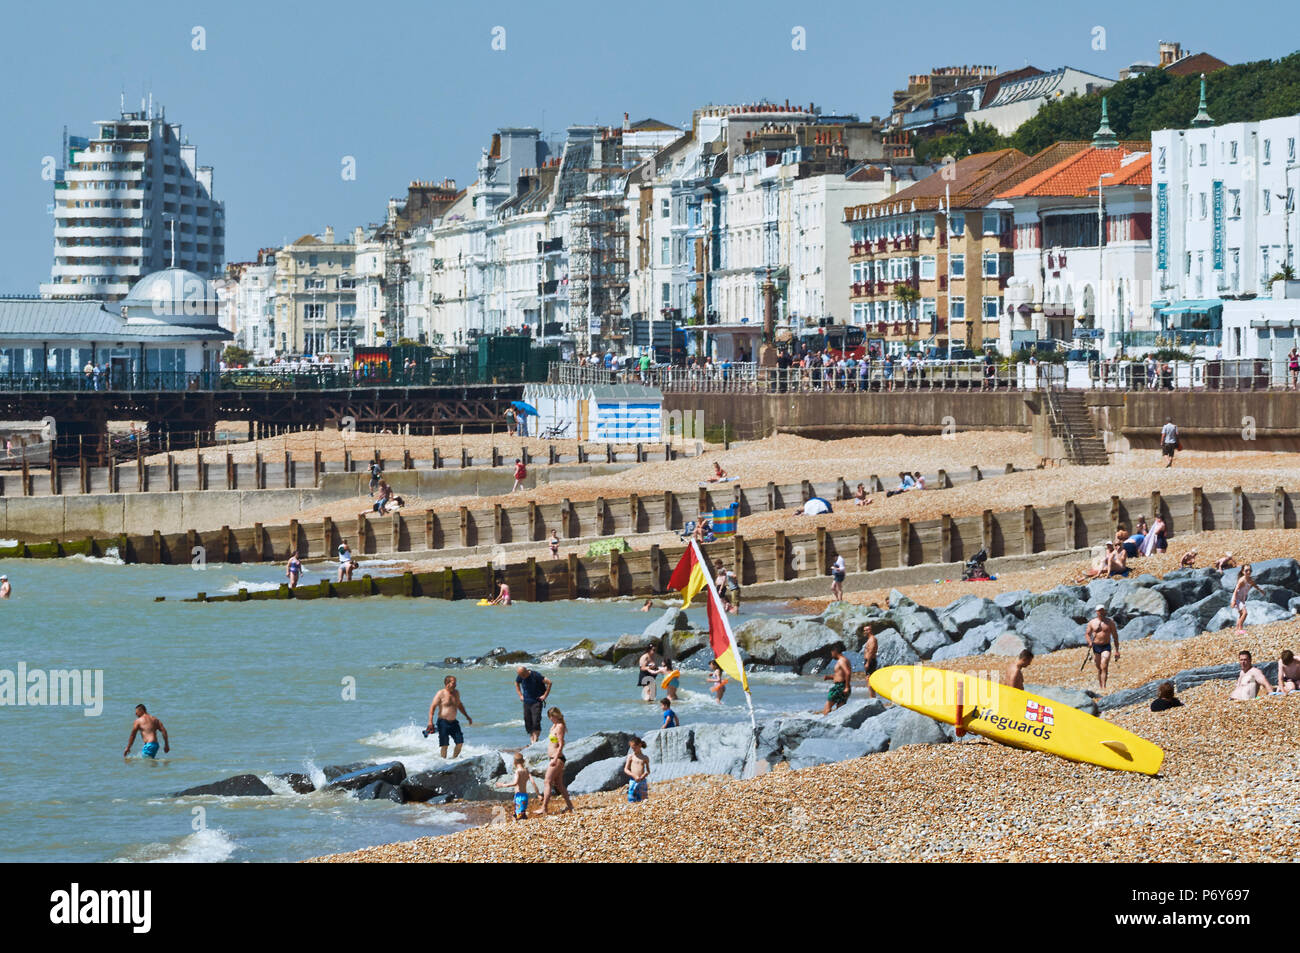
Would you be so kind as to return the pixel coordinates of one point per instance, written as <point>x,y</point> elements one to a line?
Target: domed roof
<point>173,296</point>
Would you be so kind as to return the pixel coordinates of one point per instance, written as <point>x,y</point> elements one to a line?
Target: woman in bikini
<point>553,781</point>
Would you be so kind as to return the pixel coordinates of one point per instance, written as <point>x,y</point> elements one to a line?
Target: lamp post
<point>1101,255</point>
<point>1286,209</point>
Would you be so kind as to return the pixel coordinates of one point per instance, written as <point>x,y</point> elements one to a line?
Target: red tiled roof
<point>1195,64</point>
<point>1077,175</point>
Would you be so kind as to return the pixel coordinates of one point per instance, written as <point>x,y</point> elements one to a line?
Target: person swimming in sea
<point>148,727</point>
<point>293,569</point>
<point>717,682</point>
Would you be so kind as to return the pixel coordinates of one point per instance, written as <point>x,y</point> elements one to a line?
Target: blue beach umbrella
<point>524,406</point>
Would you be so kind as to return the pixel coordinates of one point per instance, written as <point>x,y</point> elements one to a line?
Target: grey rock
<point>1178,628</point>
<point>1258,612</point>
<point>1139,601</point>
<point>670,744</point>
<point>1046,628</point>
<point>912,728</point>
<point>1139,627</point>
<point>670,621</point>
<point>380,791</point>
<point>606,775</point>
<point>1011,601</point>
<point>969,612</point>
<point>978,639</point>
<point>1101,591</point>
<point>788,642</point>
<point>604,650</point>
<point>893,649</point>
<point>629,644</point>
<point>1277,572</point>
<point>842,746</point>
<point>1202,610</point>
<point>897,599</point>
<point>814,666</point>
<point>1182,591</point>
<point>686,643</point>
<point>1061,599</point>
<point>501,657</point>
<point>1145,580</point>
<point>919,626</point>
<point>1008,643</point>
<point>466,779</point>
<point>241,785</point>
<point>392,772</point>
<point>856,711</point>
<point>723,748</point>
<point>570,658</point>
<point>1277,595</point>
<point>298,783</point>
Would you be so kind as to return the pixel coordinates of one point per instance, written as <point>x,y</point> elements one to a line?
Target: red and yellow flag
<point>692,575</point>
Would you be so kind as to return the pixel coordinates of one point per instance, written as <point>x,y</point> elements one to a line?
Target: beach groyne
<point>785,556</point>
<point>248,496</point>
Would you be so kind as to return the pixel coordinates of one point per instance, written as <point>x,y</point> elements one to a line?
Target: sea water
<point>269,687</point>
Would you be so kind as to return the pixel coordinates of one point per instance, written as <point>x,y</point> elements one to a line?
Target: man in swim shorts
<point>870,646</point>
<point>839,678</point>
<point>149,728</point>
<point>445,705</point>
<point>1103,638</point>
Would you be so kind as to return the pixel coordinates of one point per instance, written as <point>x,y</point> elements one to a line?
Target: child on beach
<point>670,716</point>
<point>1240,593</point>
<point>520,780</point>
<point>717,682</point>
<point>637,768</point>
<point>672,678</point>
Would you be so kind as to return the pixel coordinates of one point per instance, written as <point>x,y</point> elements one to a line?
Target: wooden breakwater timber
<point>430,531</point>
<point>1069,526</point>
<point>289,469</point>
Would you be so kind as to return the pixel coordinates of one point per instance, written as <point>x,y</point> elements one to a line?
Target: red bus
<point>838,340</point>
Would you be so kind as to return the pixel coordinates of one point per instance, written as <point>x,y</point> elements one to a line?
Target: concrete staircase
<point>1072,425</point>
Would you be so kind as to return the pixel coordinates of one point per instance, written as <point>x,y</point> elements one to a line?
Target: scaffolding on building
<point>598,260</point>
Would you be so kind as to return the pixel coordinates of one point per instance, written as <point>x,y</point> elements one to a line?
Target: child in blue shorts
<point>637,768</point>
<point>520,780</point>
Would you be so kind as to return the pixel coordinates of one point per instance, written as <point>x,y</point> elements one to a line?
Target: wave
<point>111,557</point>
<point>208,846</point>
<point>250,586</point>
<point>6,543</point>
<point>408,745</point>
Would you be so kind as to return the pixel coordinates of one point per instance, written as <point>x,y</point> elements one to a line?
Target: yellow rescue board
<point>1017,718</point>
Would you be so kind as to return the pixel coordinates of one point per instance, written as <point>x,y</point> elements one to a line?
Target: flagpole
<point>716,601</point>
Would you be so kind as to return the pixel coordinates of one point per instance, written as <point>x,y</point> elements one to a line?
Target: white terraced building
<point>131,201</point>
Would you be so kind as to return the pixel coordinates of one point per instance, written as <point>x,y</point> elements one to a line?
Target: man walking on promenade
<point>447,703</point>
<point>533,690</point>
<point>148,728</point>
<point>1169,440</point>
<point>839,679</point>
<point>1102,636</point>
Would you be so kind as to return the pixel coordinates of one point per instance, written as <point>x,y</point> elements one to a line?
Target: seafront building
<point>315,295</point>
<point>1067,283</point>
<point>159,335</point>
<point>129,201</point>
<point>929,266</point>
<point>1226,225</point>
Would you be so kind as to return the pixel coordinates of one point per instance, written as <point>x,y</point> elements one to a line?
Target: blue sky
<point>283,91</point>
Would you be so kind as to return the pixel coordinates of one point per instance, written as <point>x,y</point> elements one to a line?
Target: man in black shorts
<point>869,649</point>
<point>533,690</point>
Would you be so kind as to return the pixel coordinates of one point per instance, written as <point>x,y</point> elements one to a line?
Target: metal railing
<point>877,376</point>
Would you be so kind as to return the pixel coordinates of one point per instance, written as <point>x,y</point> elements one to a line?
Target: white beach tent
<point>599,413</point>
